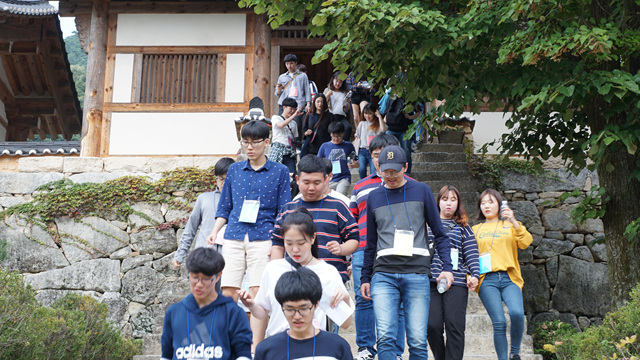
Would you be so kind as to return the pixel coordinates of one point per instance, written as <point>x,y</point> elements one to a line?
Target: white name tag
<point>454,258</point>
<point>335,167</point>
<point>249,212</point>
<point>484,261</point>
<point>403,243</point>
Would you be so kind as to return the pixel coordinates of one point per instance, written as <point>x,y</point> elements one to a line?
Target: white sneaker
<point>364,355</point>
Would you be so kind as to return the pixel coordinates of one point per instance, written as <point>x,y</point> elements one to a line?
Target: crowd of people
<point>268,271</point>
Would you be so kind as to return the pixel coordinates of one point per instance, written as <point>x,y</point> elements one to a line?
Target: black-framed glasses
<point>252,143</point>
<point>302,311</point>
<point>202,280</point>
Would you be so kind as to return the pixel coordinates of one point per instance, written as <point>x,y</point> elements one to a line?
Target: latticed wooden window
<point>180,78</point>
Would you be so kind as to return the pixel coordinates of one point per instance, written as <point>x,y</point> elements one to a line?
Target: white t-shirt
<point>329,277</point>
<point>337,100</point>
<point>282,134</point>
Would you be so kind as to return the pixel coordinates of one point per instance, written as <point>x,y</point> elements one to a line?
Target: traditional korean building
<point>167,78</point>
<point>37,93</point>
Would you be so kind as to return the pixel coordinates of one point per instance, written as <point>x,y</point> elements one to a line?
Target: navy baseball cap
<point>392,157</point>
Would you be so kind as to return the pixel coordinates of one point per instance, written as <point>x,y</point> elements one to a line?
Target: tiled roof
<point>28,148</point>
<point>27,7</point>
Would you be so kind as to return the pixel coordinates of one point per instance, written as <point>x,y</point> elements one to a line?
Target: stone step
<point>147,357</point>
<point>463,185</point>
<point>439,166</point>
<point>493,357</point>
<point>151,344</point>
<point>428,176</point>
<point>451,148</point>
<point>438,157</point>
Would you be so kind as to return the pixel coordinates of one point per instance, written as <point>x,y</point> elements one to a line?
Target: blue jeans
<point>388,292</point>
<point>404,144</point>
<point>365,319</point>
<point>365,159</point>
<point>496,288</point>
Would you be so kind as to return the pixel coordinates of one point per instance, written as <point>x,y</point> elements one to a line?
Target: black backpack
<point>396,121</point>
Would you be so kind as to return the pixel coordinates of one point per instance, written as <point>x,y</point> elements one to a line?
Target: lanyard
<point>246,188</point>
<point>318,214</point>
<point>210,331</point>
<point>314,344</point>
<point>404,190</point>
<point>493,237</point>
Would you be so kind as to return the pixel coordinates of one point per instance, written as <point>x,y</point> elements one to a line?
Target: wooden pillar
<point>262,62</point>
<point>94,90</point>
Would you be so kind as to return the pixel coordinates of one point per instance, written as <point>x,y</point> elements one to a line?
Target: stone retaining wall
<point>565,274</point>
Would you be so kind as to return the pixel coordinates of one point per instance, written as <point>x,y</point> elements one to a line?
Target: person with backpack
<point>398,122</point>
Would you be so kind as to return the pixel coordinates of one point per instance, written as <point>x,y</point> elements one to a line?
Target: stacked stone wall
<point>126,264</point>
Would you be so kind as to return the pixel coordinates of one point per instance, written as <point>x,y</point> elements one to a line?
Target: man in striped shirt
<point>337,231</point>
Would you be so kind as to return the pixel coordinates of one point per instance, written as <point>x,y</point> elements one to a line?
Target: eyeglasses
<point>252,143</point>
<point>302,311</point>
<point>202,280</point>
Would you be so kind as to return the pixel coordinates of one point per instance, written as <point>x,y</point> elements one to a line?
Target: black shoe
<point>514,357</point>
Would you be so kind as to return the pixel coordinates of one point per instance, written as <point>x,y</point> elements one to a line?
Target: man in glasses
<point>253,194</point>
<point>299,293</point>
<point>205,324</point>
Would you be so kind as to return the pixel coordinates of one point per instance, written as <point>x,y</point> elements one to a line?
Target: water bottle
<point>442,285</point>
<point>505,205</point>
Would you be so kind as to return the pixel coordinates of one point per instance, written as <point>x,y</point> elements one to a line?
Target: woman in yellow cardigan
<point>500,278</point>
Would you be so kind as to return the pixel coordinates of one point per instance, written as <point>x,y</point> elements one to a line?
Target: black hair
<point>383,140</point>
<point>290,57</point>
<point>325,118</point>
<point>312,164</point>
<point>206,261</point>
<point>303,221</point>
<point>301,284</point>
<point>336,128</point>
<point>492,192</point>
<point>342,88</point>
<point>328,165</point>
<point>290,102</point>
<point>222,166</point>
<point>370,108</point>
<point>302,68</point>
<point>255,130</point>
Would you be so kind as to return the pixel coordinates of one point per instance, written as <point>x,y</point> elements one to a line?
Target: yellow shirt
<point>504,252</point>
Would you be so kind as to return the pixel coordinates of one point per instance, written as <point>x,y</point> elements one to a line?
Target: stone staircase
<point>438,165</point>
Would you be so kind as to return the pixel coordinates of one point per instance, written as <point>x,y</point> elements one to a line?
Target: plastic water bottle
<point>442,285</point>
<point>505,205</point>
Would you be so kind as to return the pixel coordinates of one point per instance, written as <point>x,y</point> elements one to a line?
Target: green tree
<point>78,61</point>
<point>568,69</point>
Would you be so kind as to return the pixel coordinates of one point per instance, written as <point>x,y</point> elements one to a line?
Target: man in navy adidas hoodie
<point>396,260</point>
<point>205,325</point>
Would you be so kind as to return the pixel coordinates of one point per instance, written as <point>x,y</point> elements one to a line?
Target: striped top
<point>333,222</point>
<point>463,239</point>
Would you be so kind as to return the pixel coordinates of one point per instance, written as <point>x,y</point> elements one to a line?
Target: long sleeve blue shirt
<point>270,184</point>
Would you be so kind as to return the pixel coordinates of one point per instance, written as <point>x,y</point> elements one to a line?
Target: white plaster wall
<point>123,78</point>
<point>234,81</point>
<point>173,134</point>
<point>489,127</point>
<point>181,29</point>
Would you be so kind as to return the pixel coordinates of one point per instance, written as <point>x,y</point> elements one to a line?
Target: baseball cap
<point>392,157</point>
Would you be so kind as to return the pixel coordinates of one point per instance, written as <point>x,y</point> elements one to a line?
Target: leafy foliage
<point>614,339</point>
<point>74,327</point>
<point>78,61</point>
<point>111,199</point>
<point>567,70</point>
<point>550,333</point>
<point>489,169</point>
